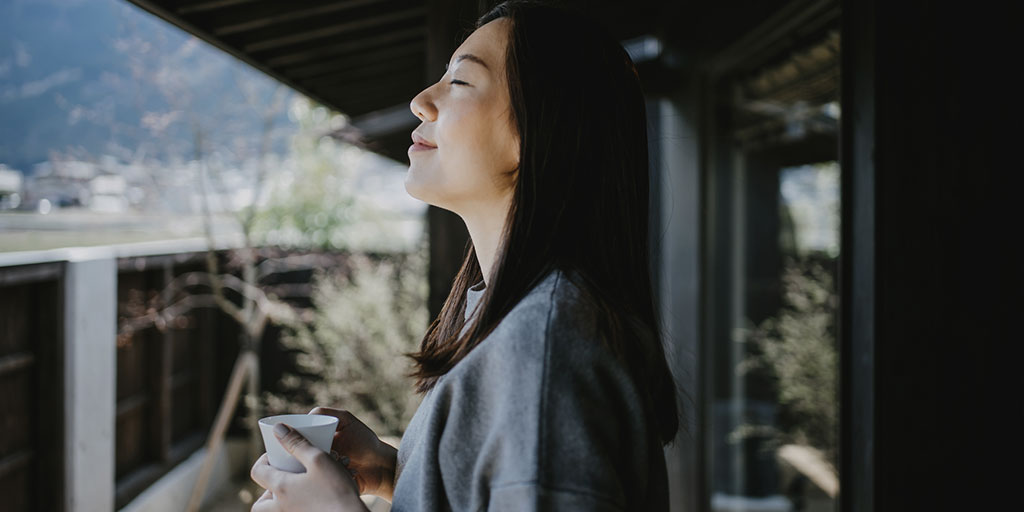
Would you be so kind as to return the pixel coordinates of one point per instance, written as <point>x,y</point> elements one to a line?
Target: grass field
<point>24,231</point>
<point>20,231</point>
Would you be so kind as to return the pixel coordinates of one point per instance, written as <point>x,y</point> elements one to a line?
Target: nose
<point>422,106</point>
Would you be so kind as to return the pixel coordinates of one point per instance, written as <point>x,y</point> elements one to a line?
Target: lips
<point>420,144</point>
<point>420,141</point>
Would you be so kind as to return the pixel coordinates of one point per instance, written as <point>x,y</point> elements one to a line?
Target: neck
<point>485,228</point>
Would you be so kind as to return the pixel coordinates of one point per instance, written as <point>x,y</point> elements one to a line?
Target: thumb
<point>297,445</point>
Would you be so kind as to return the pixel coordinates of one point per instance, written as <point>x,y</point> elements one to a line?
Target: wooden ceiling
<point>368,58</point>
<point>356,56</point>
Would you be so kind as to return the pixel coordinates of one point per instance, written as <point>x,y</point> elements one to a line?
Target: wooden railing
<point>169,381</point>
<point>87,421</point>
<point>31,384</point>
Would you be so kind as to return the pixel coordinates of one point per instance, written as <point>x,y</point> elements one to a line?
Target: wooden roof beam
<point>333,30</point>
<point>318,52</point>
<point>346,64</point>
<point>209,5</point>
<point>276,18</point>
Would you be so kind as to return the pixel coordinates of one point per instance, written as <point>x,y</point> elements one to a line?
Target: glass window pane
<point>773,234</point>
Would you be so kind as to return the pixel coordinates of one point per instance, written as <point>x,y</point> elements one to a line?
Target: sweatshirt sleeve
<point>592,426</point>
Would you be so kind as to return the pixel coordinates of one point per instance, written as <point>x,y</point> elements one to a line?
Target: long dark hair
<point>580,202</point>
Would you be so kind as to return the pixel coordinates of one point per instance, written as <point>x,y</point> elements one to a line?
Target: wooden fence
<point>169,382</point>
<point>31,411</point>
<point>88,420</point>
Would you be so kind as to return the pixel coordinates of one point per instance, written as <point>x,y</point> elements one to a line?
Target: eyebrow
<point>470,57</point>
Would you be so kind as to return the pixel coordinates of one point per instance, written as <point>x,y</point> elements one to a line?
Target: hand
<point>267,496</point>
<point>326,484</point>
<point>371,460</point>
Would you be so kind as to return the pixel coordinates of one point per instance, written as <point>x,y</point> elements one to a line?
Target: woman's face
<point>466,118</point>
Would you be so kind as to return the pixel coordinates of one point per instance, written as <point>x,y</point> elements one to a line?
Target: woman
<point>545,384</point>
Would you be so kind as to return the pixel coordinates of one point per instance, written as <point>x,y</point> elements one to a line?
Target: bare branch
<point>162,318</point>
<point>269,310</point>
<point>289,290</point>
<point>271,266</point>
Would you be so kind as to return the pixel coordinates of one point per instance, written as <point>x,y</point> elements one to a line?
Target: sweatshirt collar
<point>473,295</point>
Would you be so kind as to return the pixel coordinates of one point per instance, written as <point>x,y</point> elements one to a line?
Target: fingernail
<point>281,430</point>
<point>334,455</point>
<point>344,461</point>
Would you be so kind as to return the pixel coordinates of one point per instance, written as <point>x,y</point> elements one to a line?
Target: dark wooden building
<point>828,164</point>
<point>904,99</point>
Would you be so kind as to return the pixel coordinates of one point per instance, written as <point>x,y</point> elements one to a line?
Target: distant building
<point>11,188</point>
<point>58,184</point>
<point>107,193</point>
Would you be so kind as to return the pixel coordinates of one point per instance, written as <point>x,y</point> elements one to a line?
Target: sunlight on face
<point>466,118</point>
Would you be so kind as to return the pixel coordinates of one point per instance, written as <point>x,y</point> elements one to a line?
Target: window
<point>772,231</point>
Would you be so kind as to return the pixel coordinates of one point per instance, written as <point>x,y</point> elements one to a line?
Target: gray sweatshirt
<point>538,416</point>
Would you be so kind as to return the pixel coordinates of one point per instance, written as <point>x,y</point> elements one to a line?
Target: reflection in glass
<point>773,238</point>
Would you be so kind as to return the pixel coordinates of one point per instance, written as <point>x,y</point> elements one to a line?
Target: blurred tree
<point>364,321</point>
<point>798,348</point>
<point>178,75</point>
<point>349,345</point>
<point>311,204</point>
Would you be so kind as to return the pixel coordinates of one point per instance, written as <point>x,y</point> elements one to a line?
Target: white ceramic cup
<point>317,428</point>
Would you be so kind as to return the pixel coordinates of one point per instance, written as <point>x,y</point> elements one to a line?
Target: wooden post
<point>930,270</point>
<point>90,368</point>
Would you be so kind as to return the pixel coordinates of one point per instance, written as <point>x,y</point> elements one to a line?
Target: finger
<point>343,459</point>
<point>266,505</point>
<point>298,446</point>
<point>344,417</point>
<point>252,471</point>
<point>265,475</point>
<point>267,495</point>
<point>355,482</point>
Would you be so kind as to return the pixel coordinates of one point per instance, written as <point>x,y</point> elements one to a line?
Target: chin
<point>433,187</point>
<point>410,188</point>
<point>427,195</point>
<point>417,189</point>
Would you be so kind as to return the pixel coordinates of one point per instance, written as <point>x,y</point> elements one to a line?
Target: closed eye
<point>458,82</point>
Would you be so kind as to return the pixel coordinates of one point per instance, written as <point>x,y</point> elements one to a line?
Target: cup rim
<point>320,420</point>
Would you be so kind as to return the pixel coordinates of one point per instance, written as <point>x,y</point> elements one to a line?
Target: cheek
<point>487,142</point>
<point>502,138</point>
<point>503,155</point>
<point>473,147</point>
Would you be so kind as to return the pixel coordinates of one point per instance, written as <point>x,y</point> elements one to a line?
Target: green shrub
<point>798,347</point>
<point>352,357</point>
